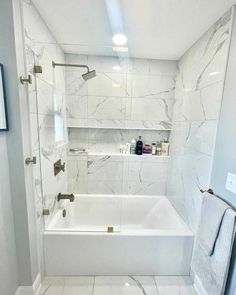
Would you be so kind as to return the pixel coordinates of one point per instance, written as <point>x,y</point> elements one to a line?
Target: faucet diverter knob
<point>70,197</point>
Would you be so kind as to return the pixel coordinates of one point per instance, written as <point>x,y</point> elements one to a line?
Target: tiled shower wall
<point>198,96</point>
<point>47,113</point>
<point>140,95</point>
<point>117,174</point>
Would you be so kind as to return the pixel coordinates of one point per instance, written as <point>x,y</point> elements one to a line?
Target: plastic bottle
<point>133,146</point>
<point>139,146</point>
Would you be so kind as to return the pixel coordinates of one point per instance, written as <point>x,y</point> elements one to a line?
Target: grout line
<point>156,285</point>
<point>93,284</point>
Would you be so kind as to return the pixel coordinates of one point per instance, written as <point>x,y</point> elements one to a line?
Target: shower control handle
<point>70,197</point>
<point>30,161</point>
<point>59,166</point>
<point>63,167</point>
<point>26,80</point>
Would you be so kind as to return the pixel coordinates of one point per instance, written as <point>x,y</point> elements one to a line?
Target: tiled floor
<point>132,285</point>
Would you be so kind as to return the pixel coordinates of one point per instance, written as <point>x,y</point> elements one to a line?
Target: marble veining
<point>198,96</point>
<point>46,100</point>
<point>124,98</point>
<point>117,174</point>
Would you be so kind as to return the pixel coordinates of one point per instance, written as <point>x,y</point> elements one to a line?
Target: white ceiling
<point>161,29</point>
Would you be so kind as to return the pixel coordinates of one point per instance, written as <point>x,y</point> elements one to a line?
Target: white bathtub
<point>149,237</point>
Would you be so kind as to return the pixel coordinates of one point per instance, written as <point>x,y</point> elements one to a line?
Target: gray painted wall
<point>8,269</point>
<point>225,150</point>
<point>15,144</point>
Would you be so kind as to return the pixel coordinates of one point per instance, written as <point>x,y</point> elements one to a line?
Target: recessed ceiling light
<point>119,39</point>
<point>120,49</point>
<point>127,284</point>
<point>116,68</point>
<point>116,85</point>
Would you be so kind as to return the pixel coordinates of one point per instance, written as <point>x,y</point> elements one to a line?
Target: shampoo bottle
<point>133,147</point>
<point>139,148</point>
<point>165,148</point>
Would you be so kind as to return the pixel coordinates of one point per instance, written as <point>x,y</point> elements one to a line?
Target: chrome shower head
<point>89,75</point>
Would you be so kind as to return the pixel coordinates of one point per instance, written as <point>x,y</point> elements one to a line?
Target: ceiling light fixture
<point>116,68</point>
<point>120,49</point>
<point>116,85</point>
<point>119,39</point>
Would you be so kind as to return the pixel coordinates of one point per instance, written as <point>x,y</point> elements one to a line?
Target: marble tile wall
<point>47,113</point>
<point>138,95</point>
<point>117,174</point>
<point>198,95</point>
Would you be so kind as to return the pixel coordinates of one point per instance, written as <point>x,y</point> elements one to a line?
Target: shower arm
<point>54,64</point>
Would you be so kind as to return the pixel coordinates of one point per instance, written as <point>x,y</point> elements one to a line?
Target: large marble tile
<point>105,168</point>
<point>77,187</point>
<point>174,285</point>
<point>109,84</point>
<point>198,97</point>
<point>106,108</point>
<point>152,86</point>
<point>67,286</point>
<point>106,123</point>
<point>78,286</point>
<point>52,286</point>
<point>148,124</point>
<point>38,193</point>
<point>75,59</point>
<point>75,84</point>
<point>201,137</point>
<point>125,285</point>
<point>211,97</point>
<point>44,54</point>
<point>34,132</point>
<point>152,188</point>
<point>46,130</point>
<point>109,64</point>
<point>77,106</point>
<point>107,187</point>
<point>140,66</point>
<point>77,168</point>
<point>32,96</point>
<point>152,109</point>
<point>205,62</point>
<point>163,67</point>
<point>45,99</point>
<point>147,171</point>
<point>130,285</point>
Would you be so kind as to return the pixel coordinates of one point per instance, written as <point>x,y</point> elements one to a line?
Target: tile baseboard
<point>30,290</point>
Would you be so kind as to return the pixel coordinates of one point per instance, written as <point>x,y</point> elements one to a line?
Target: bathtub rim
<point>185,231</point>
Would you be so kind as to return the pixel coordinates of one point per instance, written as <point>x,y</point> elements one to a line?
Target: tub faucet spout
<point>70,197</point>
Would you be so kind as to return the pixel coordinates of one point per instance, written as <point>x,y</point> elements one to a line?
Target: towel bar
<point>210,191</point>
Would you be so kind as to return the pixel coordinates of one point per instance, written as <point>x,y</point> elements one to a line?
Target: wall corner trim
<point>30,290</point>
